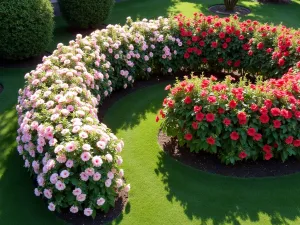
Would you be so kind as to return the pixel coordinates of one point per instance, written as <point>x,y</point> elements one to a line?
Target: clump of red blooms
<point>236,120</point>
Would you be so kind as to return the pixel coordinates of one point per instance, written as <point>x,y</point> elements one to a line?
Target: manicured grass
<point>165,191</point>
<point>176,194</point>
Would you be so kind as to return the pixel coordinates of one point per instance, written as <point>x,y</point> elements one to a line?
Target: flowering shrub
<point>75,158</point>
<point>235,120</point>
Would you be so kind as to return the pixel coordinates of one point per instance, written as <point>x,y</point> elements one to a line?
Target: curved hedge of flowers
<point>73,156</point>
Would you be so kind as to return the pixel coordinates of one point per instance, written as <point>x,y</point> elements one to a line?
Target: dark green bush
<point>26,28</point>
<point>85,13</point>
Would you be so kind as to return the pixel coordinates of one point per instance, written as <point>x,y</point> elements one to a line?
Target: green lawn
<point>164,192</point>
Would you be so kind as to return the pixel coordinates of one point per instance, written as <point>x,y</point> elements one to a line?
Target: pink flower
<point>109,157</point>
<point>58,148</point>
<point>37,192</point>
<point>77,191</point>
<point>100,201</point>
<point>60,185</point>
<point>121,173</point>
<point>119,183</point>
<point>83,135</point>
<point>84,176</point>
<point>70,108</point>
<point>53,178</point>
<point>69,163</point>
<point>127,188</point>
<point>48,193</point>
<point>85,156</point>
<point>51,206</point>
<point>119,160</point>
<point>76,129</point>
<point>86,147</point>
<point>108,183</point>
<point>70,147</point>
<point>74,209</point>
<point>88,211</point>
<point>97,161</point>
<point>101,145</point>
<point>97,176</point>
<point>89,171</point>
<point>61,158</point>
<point>110,175</point>
<point>81,197</point>
<point>119,147</point>
<point>64,174</point>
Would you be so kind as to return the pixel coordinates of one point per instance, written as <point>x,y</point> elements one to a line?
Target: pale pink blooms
<point>37,192</point>
<point>76,129</point>
<point>83,135</point>
<point>48,193</point>
<point>100,201</point>
<point>101,145</point>
<point>74,209</point>
<point>70,147</point>
<point>85,156</point>
<point>61,158</point>
<point>97,161</point>
<point>52,142</point>
<point>121,173</point>
<point>58,148</point>
<point>127,188</point>
<point>65,131</point>
<point>60,185</point>
<point>40,149</point>
<point>97,176</point>
<point>88,211</point>
<point>84,176</point>
<point>54,117</point>
<point>119,183</point>
<point>109,157</point>
<point>119,147</point>
<point>110,175</point>
<point>65,112</point>
<point>51,206</point>
<point>69,163</point>
<point>108,183</point>
<point>53,178</point>
<point>119,160</point>
<point>89,171</point>
<point>70,108</point>
<point>86,147</point>
<point>77,191</point>
<point>50,164</point>
<point>64,174</point>
<point>34,125</point>
<point>81,197</point>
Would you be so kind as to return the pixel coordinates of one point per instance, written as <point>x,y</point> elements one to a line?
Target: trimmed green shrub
<point>85,13</point>
<point>26,28</point>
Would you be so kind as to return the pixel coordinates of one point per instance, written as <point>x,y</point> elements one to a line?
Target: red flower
<point>286,114</point>
<point>232,104</point>
<point>250,52</point>
<point>296,143</point>
<point>199,116</point>
<point>188,136</point>
<point>281,62</point>
<point>251,131</point>
<point>197,108</point>
<point>195,125</point>
<point>214,44</point>
<point>211,99</point>
<point>210,117</point>
<point>228,40</point>
<point>187,100</point>
<point>210,140</point>
<point>171,103</point>
<point>275,112</point>
<point>242,116</point>
<point>234,136</point>
<point>268,156</point>
<point>243,155</point>
<point>289,140</point>
<point>227,122</point>
<point>254,107</point>
<point>257,137</point>
<point>221,110</point>
<point>186,55</point>
<point>168,87</point>
<point>224,45</point>
<point>157,119</point>
<point>260,45</point>
<point>189,88</point>
<point>276,123</point>
<point>263,110</point>
<point>268,103</point>
<point>267,148</point>
<point>222,35</point>
<point>201,43</point>
<point>264,118</point>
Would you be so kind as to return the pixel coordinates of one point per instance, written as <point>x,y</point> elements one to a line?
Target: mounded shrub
<point>75,158</point>
<point>86,13</point>
<point>26,28</point>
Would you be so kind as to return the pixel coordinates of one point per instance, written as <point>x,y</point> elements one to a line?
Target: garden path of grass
<point>18,205</point>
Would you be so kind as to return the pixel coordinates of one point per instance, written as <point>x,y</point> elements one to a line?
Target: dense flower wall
<point>74,157</point>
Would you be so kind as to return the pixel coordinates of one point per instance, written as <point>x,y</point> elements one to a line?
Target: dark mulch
<point>101,218</point>
<point>1,88</point>
<point>238,10</point>
<point>30,62</point>
<point>207,162</point>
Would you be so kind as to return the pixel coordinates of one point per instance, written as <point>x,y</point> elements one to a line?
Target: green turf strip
<point>165,191</point>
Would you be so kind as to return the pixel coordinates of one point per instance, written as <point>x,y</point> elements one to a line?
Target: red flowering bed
<point>237,120</point>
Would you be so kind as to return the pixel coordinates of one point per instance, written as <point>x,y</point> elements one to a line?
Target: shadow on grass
<point>219,199</point>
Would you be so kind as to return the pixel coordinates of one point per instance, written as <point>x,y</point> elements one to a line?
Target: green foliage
<point>26,28</point>
<point>86,13</point>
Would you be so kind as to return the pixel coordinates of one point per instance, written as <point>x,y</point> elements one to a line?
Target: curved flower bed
<point>73,156</point>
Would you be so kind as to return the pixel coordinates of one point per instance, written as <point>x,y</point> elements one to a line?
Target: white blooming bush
<point>75,158</point>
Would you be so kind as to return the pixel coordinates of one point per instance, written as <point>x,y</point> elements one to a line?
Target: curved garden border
<point>73,156</point>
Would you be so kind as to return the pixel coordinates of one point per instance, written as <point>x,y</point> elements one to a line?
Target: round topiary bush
<point>76,159</point>
<point>26,28</point>
<point>86,13</point>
